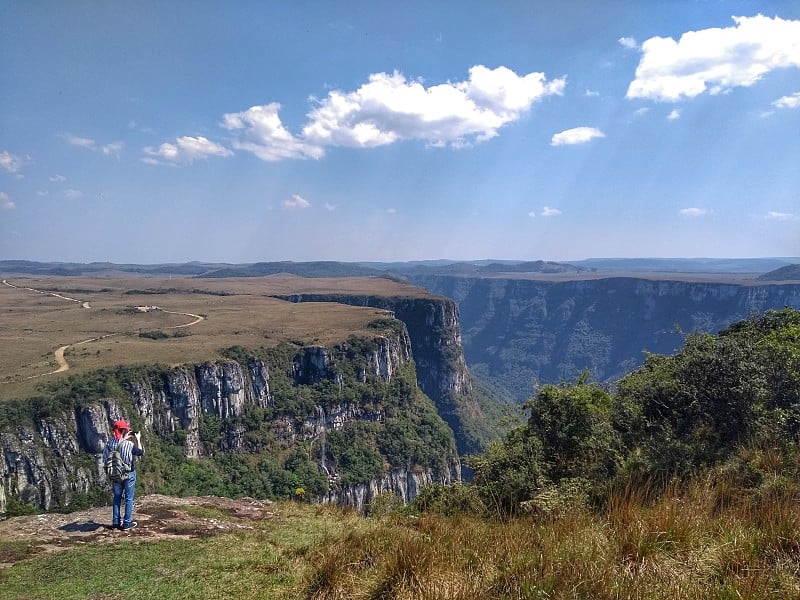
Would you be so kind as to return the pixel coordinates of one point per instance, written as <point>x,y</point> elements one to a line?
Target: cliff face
<point>58,457</point>
<point>520,332</point>
<point>435,333</point>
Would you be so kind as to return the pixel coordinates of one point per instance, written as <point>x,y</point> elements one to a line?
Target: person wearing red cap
<point>129,445</point>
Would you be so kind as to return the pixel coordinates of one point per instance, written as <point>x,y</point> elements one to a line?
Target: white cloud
<point>261,132</point>
<point>628,42</point>
<point>694,212</point>
<point>329,206</point>
<point>58,178</point>
<point>550,212</point>
<point>76,140</point>
<point>10,162</point>
<point>6,202</point>
<point>792,101</point>
<point>577,135</point>
<point>715,60</point>
<point>532,214</point>
<point>641,111</point>
<point>591,93</point>
<point>185,150</point>
<point>780,216</point>
<point>113,148</point>
<point>389,108</point>
<point>73,194</point>
<point>674,114</point>
<point>391,211</point>
<point>295,203</point>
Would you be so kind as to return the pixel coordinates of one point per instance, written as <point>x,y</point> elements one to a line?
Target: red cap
<point>122,425</point>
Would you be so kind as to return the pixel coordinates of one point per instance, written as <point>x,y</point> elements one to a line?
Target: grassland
<point>97,320</point>
<point>693,542</point>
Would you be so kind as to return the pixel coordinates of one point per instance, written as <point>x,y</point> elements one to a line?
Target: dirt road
<point>61,361</point>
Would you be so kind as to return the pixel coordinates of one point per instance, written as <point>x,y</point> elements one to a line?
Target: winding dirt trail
<point>61,361</point>
<point>46,293</point>
<point>197,319</point>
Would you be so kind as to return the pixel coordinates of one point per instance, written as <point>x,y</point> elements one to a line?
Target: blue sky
<point>150,132</point>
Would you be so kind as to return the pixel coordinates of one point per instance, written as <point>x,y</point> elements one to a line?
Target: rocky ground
<point>158,517</point>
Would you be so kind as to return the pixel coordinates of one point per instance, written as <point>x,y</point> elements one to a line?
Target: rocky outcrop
<point>435,334</point>
<point>403,483</point>
<point>519,332</point>
<point>58,457</point>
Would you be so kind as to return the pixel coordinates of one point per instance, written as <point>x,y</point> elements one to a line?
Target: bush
<point>453,499</point>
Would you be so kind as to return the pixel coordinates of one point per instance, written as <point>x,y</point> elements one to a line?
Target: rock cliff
<point>54,458</point>
<point>435,332</point>
<point>520,332</point>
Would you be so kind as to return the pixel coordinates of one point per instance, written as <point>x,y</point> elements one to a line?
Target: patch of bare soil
<point>158,517</point>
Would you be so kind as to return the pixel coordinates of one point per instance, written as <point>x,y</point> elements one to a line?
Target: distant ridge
<point>303,269</point>
<point>761,268</point>
<point>688,265</point>
<point>787,273</point>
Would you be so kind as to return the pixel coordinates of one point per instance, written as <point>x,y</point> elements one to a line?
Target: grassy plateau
<point>96,323</point>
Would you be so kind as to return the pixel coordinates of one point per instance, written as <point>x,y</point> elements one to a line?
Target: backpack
<point>116,468</point>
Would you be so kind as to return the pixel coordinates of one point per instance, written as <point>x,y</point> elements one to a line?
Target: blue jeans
<point>128,489</point>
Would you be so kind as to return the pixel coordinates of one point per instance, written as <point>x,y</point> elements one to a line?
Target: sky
<point>155,132</point>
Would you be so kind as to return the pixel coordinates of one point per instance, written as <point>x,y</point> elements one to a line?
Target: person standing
<point>129,445</point>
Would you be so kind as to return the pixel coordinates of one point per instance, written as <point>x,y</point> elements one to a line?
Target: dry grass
<point>680,546</point>
<point>237,312</point>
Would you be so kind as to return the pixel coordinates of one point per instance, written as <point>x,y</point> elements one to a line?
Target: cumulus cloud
<point>389,108</point>
<point>329,206</point>
<point>10,162</point>
<point>792,101</point>
<point>550,212</point>
<point>674,114</point>
<point>694,212</point>
<point>73,194</point>
<point>576,135</point>
<point>780,216</point>
<point>260,131</point>
<point>6,202</point>
<point>58,178</point>
<point>715,60</point>
<point>295,203</point>
<point>185,150</point>
<point>591,93</point>
<point>628,42</point>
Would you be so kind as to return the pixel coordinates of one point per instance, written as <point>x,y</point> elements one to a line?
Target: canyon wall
<point>518,333</point>
<point>53,457</point>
